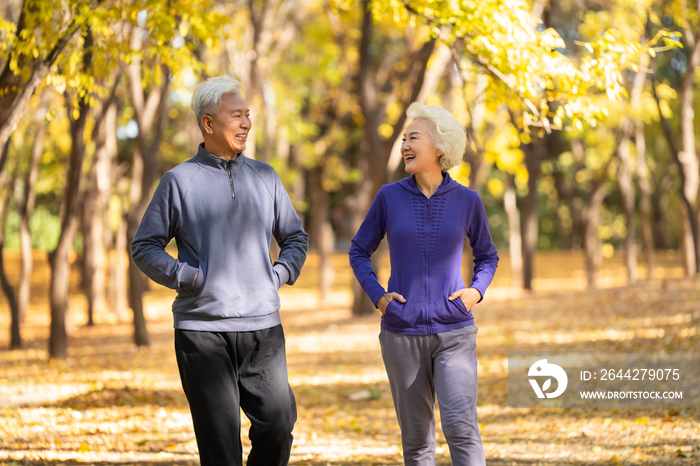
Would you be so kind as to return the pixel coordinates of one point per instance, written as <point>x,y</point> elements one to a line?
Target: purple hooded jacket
<point>426,240</point>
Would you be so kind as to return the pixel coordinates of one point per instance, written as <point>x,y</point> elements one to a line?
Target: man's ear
<point>207,124</point>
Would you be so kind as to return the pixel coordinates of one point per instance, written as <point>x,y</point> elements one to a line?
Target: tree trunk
<point>15,337</point>
<point>515,239</point>
<point>564,201</point>
<point>687,157</point>
<point>660,203</point>
<point>362,304</point>
<point>690,177</point>
<point>322,232</point>
<point>58,259</point>
<point>530,219</point>
<point>96,199</point>
<point>58,296</point>
<point>118,265</point>
<point>135,289</point>
<point>25,213</point>
<point>14,102</point>
<point>625,171</point>
<point>17,91</point>
<point>475,155</point>
<point>141,336</point>
<point>146,112</point>
<point>593,247</point>
<point>90,263</point>
<point>627,192</point>
<point>273,27</point>
<point>645,199</point>
<point>687,241</point>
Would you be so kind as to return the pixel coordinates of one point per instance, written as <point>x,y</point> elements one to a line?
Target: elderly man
<point>222,209</point>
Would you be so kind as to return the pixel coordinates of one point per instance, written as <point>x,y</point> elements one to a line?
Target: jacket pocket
<point>198,284</point>
<point>396,315</point>
<point>454,311</point>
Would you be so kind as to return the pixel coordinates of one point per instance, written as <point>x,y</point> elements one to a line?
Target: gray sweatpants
<point>421,366</point>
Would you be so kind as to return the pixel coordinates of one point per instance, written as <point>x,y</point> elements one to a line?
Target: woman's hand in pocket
<point>469,296</point>
<point>387,298</point>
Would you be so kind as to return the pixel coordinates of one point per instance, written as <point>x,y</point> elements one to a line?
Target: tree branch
<point>493,71</point>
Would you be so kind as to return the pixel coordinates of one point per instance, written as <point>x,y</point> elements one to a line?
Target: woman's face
<point>417,149</point>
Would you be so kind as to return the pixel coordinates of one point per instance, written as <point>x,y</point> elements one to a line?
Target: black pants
<point>222,372</point>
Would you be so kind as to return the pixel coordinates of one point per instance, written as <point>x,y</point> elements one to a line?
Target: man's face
<point>229,128</point>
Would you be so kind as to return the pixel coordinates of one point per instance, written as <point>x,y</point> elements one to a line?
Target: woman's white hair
<point>207,96</point>
<point>446,133</point>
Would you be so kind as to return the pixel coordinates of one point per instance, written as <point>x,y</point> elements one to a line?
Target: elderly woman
<point>428,336</point>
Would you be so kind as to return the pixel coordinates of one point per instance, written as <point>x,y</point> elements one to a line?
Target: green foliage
<point>322,114</point>
<point>45,228</point>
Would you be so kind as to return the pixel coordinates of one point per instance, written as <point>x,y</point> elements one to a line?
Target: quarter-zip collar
<point>217,164</point>
<point>447,185</point>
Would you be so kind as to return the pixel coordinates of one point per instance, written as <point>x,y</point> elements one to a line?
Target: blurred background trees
<point>579,115</point>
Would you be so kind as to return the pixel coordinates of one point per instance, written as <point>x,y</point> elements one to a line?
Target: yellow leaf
<point>642,420</point>
<point>385,130</point>
<point>84,448</point>
<point>496,187</point>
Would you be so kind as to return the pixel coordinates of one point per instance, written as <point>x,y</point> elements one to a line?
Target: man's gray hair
<point>446,133</point>
<point>207,96</point>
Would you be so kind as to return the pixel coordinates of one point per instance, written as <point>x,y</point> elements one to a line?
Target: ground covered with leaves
<point>112,403</point>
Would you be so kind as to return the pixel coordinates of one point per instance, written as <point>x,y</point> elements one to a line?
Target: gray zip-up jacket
<point>222,214</point>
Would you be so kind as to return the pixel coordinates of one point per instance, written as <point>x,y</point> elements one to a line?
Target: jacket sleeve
<point>158,226</point>
<point>485,254</point>
<point>290,235</point>
<point>365,242</point>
